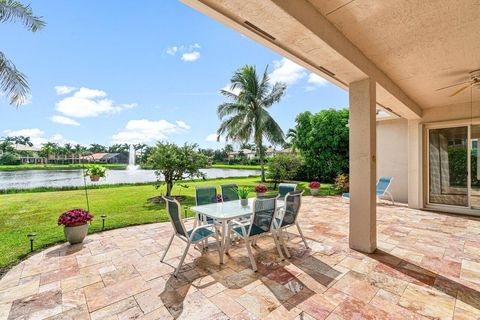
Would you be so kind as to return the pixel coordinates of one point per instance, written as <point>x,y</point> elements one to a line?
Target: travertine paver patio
<point>427,267</point>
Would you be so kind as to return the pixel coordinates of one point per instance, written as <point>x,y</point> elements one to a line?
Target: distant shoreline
<point>77,166</point>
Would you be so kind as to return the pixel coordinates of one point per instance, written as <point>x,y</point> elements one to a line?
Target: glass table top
<point>229,209</point>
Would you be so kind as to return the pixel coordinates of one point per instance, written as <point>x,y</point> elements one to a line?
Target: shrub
<point>74,217</point>
<point>9,158</point>
<point>284,167</point>
<point>342,183</point>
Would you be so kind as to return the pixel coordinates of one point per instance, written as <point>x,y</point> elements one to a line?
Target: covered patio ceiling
<point>410,48</point>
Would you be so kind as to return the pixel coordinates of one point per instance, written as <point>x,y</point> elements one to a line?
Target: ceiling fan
<point>473,82</point>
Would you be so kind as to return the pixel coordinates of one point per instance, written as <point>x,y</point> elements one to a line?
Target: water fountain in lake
<point>131,158</point>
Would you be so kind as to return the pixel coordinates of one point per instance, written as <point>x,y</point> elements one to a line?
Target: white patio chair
<point>381,190</point>
<point>289,217</point>
<point>260,223</point>
<point>194,235</point>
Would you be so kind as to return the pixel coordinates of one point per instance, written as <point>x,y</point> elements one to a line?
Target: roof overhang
<point>297,31</point>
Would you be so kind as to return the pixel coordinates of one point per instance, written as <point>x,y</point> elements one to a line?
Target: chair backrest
<point>175,213</point>
<point>284,188</point>
<point>383,184</point>
<point>205,195</point>
<point>264,210</point>
<point>293,202</point>
<point>229,192</point>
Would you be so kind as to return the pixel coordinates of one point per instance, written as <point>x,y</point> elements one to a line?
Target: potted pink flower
<point>260,190</point>
<point>75,222</point>
<point>314,187</point>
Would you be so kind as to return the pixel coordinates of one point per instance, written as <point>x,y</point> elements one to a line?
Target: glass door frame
<point>445,125</point>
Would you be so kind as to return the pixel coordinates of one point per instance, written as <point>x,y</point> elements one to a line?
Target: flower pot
<point>76,234</point>
<point>244,202</point>
<point>94,178</point>
<point>314,192</point>
<point>260,194</point>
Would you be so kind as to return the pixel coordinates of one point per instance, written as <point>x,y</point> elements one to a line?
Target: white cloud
<point>190,56</point>
<point>213,138</point>
<point>37,136</point>
<point>172,50</point>
<point>89,93</point>
<point>60,90</point>
<point>64,120</point>
<point>287,71</point>
<point>144,131</point>
<point>315,81</point>
<point>86,103</point>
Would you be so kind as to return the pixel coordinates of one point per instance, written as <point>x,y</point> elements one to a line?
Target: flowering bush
<point>314,185</point>
<point>74,217</point>
<point>219,198</point>
<point>261,188</point>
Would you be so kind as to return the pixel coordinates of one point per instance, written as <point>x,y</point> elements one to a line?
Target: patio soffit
<point>410,48</point>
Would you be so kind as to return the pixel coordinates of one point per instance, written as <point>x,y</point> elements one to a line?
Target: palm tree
<point>141,147</point>
<point>48,149</point>
<point>68,151</point>
<point>13,83</point>
<point>246,118</point>
<point>292,137</point>
<point>78,151</point>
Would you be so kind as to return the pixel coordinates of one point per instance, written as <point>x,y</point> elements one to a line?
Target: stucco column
<point>363,167</point>
<point>415,164</point>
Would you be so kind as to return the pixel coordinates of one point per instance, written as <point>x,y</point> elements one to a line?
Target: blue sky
<point>109,71</point>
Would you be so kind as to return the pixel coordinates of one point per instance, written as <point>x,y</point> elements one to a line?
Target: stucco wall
<point>392,155</point>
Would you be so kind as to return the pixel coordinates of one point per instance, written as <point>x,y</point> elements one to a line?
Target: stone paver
<point>427,266</point>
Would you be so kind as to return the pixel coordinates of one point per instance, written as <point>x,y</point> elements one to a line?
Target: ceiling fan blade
<point>459,90</point>
<point>454,85</point>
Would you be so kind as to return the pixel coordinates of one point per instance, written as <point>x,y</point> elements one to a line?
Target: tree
<point>141,147</point>
<point>9,158</point>
<point>246,118</point>
<point>97,148</point>
<point>13,83</point>
<point>119,148</point>
<point>48,149</point>
<point>175,163</point>
<point>322,140</point>
<point>292,138</point>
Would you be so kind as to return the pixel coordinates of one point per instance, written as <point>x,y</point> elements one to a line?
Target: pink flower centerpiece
<point>260,190</point>
<point>219,198</point>
<point>75,222</point>
<point>314,187</point>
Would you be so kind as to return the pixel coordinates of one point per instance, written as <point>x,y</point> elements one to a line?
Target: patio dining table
<point>223,212</point>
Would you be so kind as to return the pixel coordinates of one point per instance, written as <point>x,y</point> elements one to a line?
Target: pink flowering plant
<point>74,217</point>
<point>314,185</point>
<point>219,198</point>
<point>261,188</point>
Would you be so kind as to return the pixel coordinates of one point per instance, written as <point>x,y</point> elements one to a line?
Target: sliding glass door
<point>448,166</point>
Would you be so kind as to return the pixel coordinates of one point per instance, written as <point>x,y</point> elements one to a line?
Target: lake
<point>26,179</point>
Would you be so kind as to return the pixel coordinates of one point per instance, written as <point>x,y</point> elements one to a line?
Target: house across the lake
<point>28,154</point>
<point>103,157</point>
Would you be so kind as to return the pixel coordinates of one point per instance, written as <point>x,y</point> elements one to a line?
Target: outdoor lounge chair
<point>284,188</point>
<point>288,217</point>
<point>261,223</point>
<point>382,189</point>
<point>194,235</point>
<point>229,192</point>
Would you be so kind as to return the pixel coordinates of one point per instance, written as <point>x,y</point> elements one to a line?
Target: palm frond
<point>12,82</point>
<point>271,129</point>
<point>11,10</point>
<point>229,108</point>
<point>278,90</point>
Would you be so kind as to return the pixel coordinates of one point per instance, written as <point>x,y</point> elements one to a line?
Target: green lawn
<point>124,205</point>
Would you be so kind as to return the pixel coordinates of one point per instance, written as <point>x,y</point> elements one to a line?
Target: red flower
<point>74,216</point>
<point>261,188</point>
<point>314,185</point>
